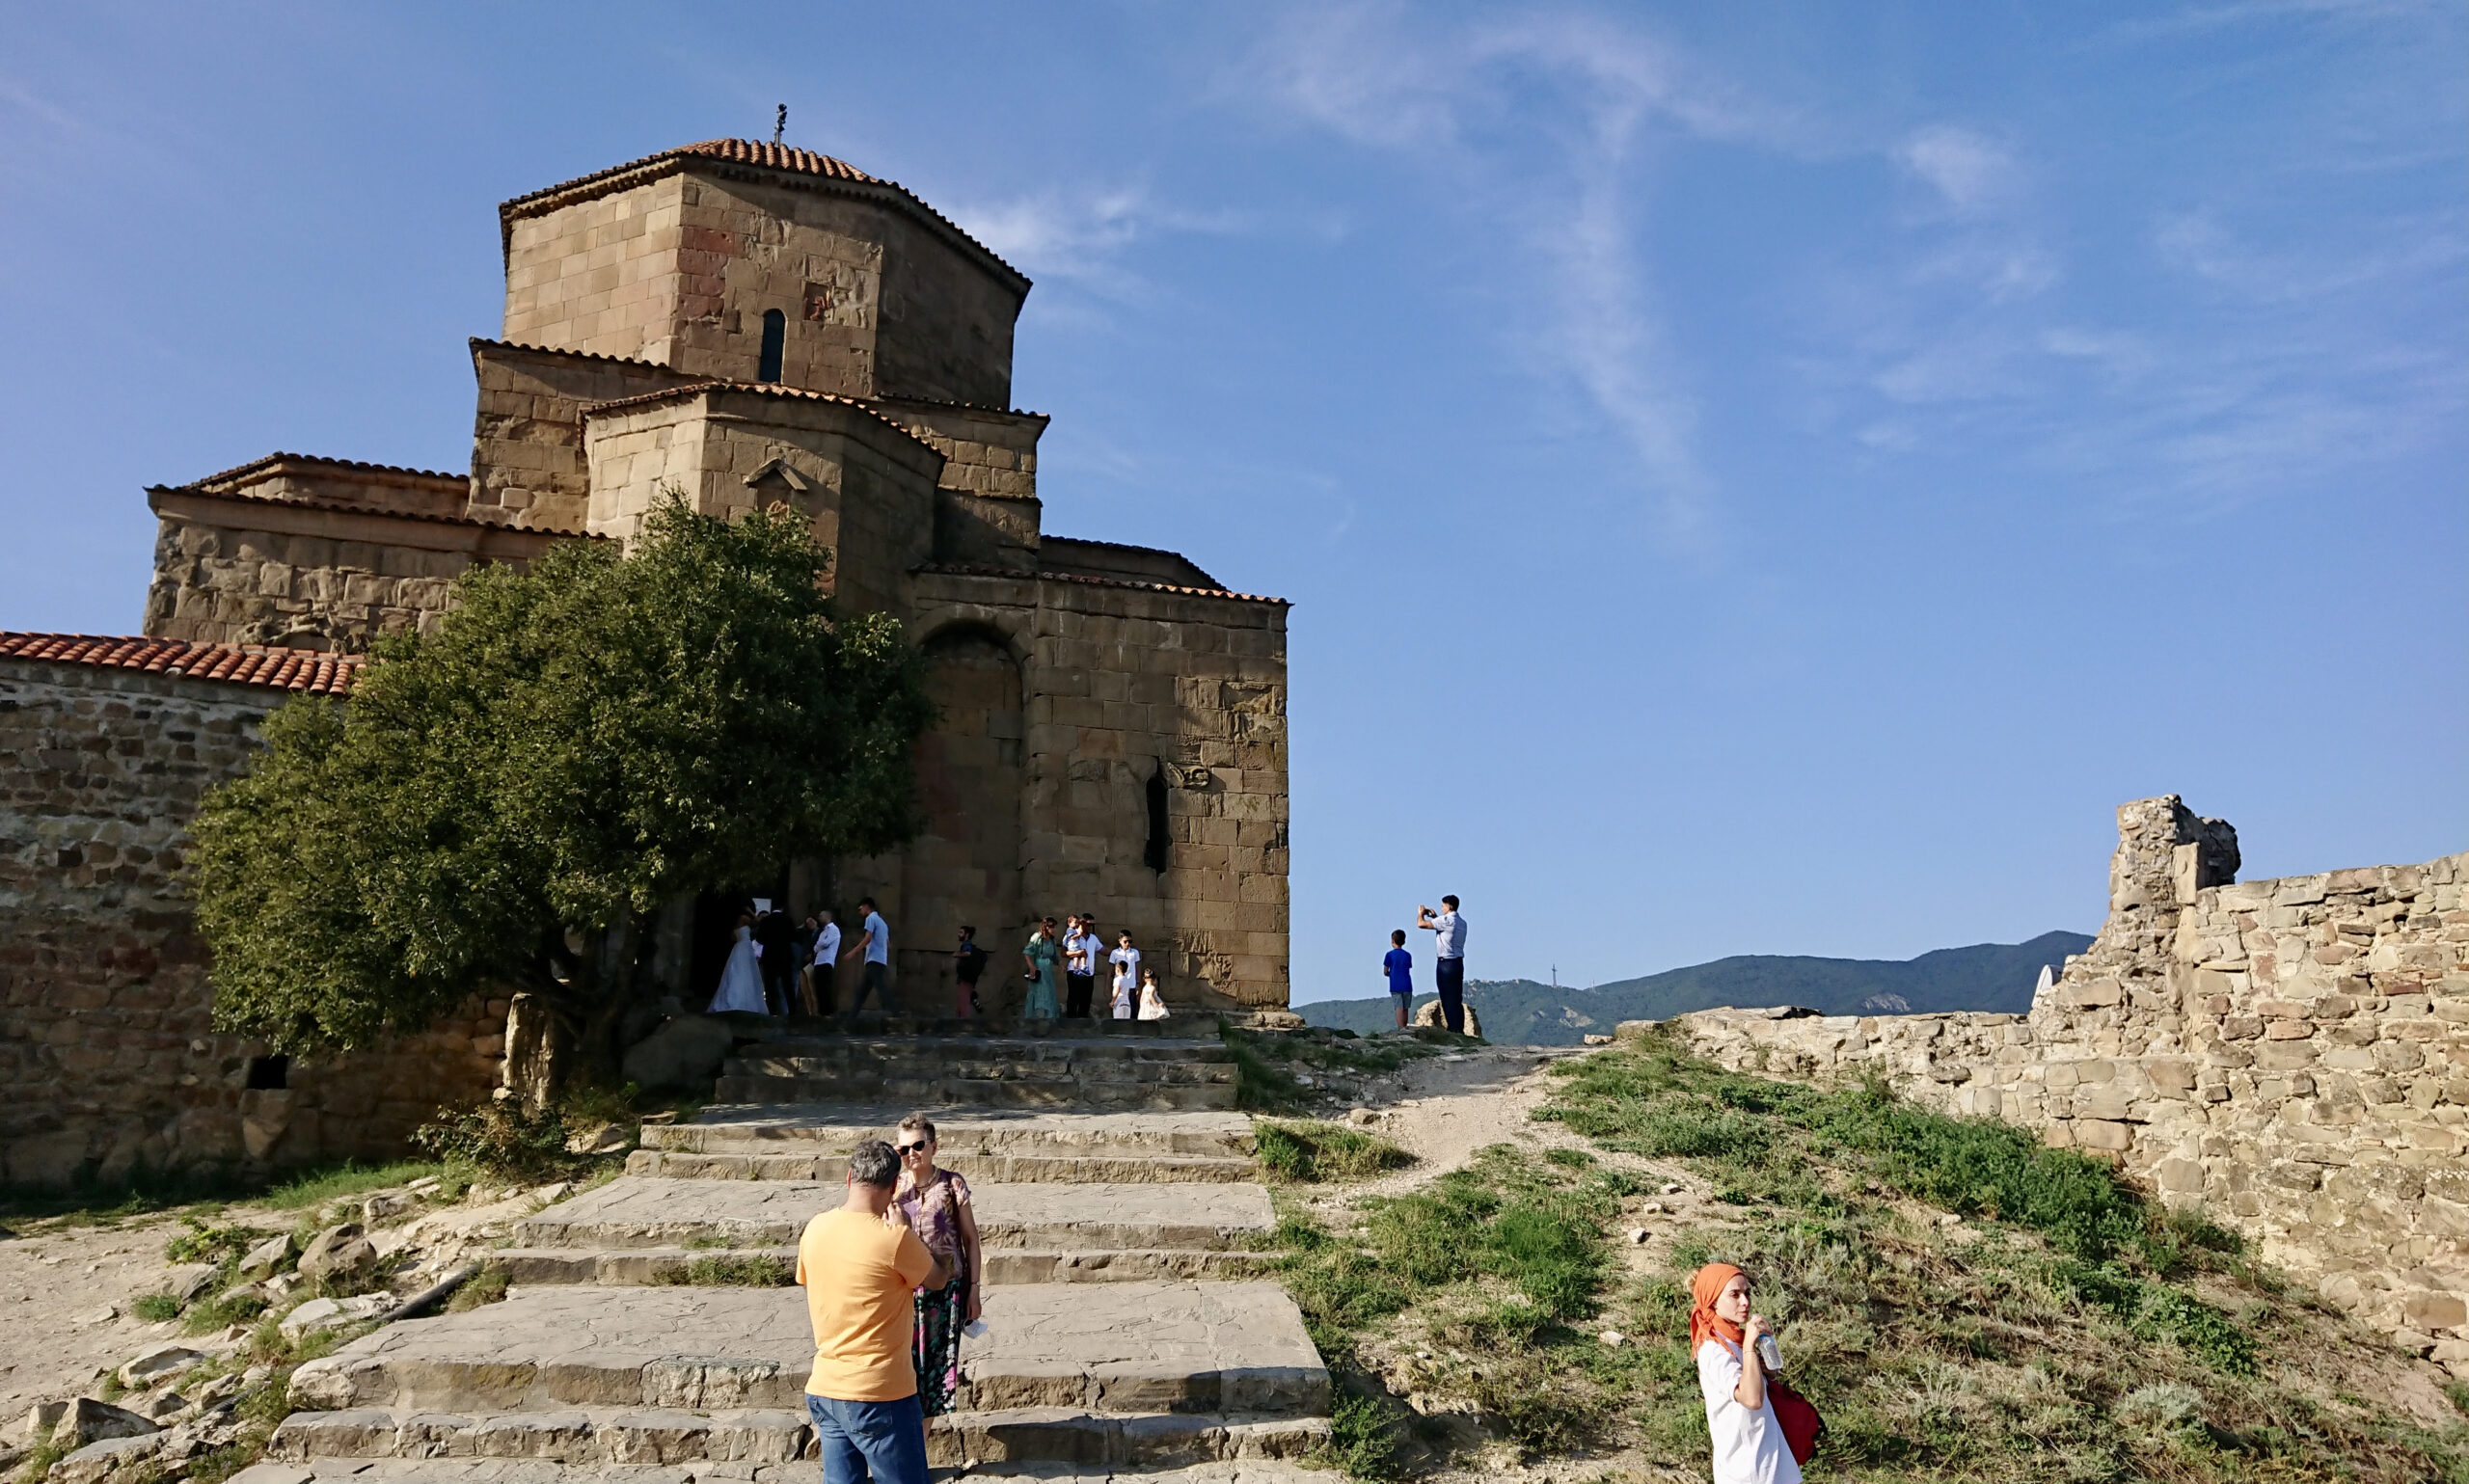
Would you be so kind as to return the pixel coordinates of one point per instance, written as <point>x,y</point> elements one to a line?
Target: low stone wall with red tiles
<point>2291,1055</point>
<point>109,1061</point>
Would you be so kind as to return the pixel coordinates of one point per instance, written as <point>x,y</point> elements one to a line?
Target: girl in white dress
<point>1127,961</point>
<point>742,982</point>
<point>1153,1005</point>
<point>1749,1448</point>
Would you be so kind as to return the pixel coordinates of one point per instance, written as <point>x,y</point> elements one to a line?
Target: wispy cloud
<point>1969,170</point>
<point>1084,237</point>
<point>1480,106</point>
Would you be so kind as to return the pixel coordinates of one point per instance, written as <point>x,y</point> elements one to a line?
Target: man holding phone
<point>1449,960</point>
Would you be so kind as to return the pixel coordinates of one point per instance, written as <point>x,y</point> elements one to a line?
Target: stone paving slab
<point>1234,1347</point>
<point>1075,1091</point>
<point>639,1212</point>
<point>836,1127</point>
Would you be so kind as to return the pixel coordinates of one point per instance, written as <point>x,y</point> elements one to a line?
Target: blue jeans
<point>884,1441</point>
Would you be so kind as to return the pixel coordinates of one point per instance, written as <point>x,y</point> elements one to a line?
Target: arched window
<point>775,339</point>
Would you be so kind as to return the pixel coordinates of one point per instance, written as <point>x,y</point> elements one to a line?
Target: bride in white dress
<point>742,982</point>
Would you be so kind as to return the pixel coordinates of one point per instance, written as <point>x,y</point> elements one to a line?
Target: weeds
<point>1363,1441</point>
<point>506,1140</point>
<point>486,1286</point>
<point>1312,1153</point>
<point>748,1270</point>
<point>157,1307</point>
<point>351,1178</point>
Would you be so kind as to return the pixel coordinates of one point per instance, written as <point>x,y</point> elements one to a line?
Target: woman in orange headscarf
<point>1722,1337</point>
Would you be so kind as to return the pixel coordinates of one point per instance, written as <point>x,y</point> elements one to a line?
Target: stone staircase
<point>1002,1064</point>
<point>1132,1331</point>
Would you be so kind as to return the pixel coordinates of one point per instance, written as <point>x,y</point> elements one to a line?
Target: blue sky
<point>1752,478</point>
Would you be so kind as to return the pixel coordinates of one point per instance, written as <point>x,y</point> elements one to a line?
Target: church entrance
<point>966,868</point>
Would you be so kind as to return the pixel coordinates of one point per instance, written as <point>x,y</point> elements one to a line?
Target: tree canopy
<point>572,747</point>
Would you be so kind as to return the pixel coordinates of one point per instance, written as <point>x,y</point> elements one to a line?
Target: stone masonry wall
<point>2291,1055</point>
<point>109,1061</point>
<point>1116,681</point>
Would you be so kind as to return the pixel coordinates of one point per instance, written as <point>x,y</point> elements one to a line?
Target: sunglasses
<point>904,1150</point>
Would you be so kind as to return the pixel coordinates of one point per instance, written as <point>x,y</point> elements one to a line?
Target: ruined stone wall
<point>108,1057</point>
<point>2292,1055</point>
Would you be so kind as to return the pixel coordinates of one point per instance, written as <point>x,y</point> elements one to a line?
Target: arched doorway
<point>966,868</point>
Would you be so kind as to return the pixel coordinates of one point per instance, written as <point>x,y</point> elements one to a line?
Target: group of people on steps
<point>775,968</point>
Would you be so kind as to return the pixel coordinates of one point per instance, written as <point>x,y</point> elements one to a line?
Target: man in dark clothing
<point>968,963</point>
<point>773,934</point>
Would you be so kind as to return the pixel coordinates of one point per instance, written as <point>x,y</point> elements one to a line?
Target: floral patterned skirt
<point>942,1314</point>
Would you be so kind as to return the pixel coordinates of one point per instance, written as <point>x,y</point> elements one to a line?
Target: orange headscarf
<point>1704,1289</point>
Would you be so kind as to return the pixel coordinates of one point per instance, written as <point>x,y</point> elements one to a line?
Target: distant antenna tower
<point>780,122</point>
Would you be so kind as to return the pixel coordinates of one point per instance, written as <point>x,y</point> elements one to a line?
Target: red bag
<point>1802,1425</point>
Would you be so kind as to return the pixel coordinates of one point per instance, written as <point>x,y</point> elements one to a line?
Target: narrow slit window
<point>775,341</point>
<point>1157,836</point>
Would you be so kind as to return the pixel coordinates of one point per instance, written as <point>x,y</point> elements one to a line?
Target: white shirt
<point>878,939</point>
<point>1077,946</point>
<point>1749,1445</point>
<point>1127,962</point>
<point>1449,935</point>
<point>826,945</point>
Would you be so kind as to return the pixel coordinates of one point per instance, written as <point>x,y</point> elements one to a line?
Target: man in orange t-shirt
<point>860,1272</point>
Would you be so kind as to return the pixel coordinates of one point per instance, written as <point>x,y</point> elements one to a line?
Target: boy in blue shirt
<point>1399,966</point>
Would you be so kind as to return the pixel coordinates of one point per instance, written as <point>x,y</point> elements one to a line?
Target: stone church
<point>749,324</point>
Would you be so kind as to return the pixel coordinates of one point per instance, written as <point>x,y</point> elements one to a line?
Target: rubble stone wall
<point>109,1061</point>
<point>2292,1055</point>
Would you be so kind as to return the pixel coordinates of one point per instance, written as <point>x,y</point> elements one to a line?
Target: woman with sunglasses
<point>937,1205</point>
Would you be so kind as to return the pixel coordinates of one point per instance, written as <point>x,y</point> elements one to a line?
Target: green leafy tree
<point>501,801</point>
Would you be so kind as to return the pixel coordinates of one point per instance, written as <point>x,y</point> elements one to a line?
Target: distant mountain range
<point>1984,977</point>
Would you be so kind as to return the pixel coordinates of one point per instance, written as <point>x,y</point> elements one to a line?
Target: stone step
<point>977,1168</point>
<point>1198,1030</point>
<point>835,1127</point>
<point>637,1212</point>
<point>639,1436</point>
<point>672,1265</point>
<point>932,1086</point>
<point>1235,1348</point>
<point>1154,1051</point>
<point>1243,1469</point>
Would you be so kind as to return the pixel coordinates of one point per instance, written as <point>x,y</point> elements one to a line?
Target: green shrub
<point>1310,1153</point>
<point>506,1140</point>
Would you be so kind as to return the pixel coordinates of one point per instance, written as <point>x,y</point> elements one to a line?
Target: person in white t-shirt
<point>820,999</point>
<point>1127,961</point>
<point>1749,1448</point>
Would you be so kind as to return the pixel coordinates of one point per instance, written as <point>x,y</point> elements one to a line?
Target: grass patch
<point>486,1286</point>
<point>351,1178</point>
<point>1363,1441</point>
<point>2071,1331</point>
<point>1312,1153</point>
<point>157,1307</point>
<point>755,1270</point>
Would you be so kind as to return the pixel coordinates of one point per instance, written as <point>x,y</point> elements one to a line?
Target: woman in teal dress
<point>1042,954</point>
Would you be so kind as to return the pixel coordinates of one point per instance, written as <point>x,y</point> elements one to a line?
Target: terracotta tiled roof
<point>246,665</point>
<point>285,502</point>
<point>312,460</point>
<point>767,156</point>
<point>758,387</point>
<point>964,569</point>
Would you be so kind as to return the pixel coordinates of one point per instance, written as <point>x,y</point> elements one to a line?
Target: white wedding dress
<point>742,982</point>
